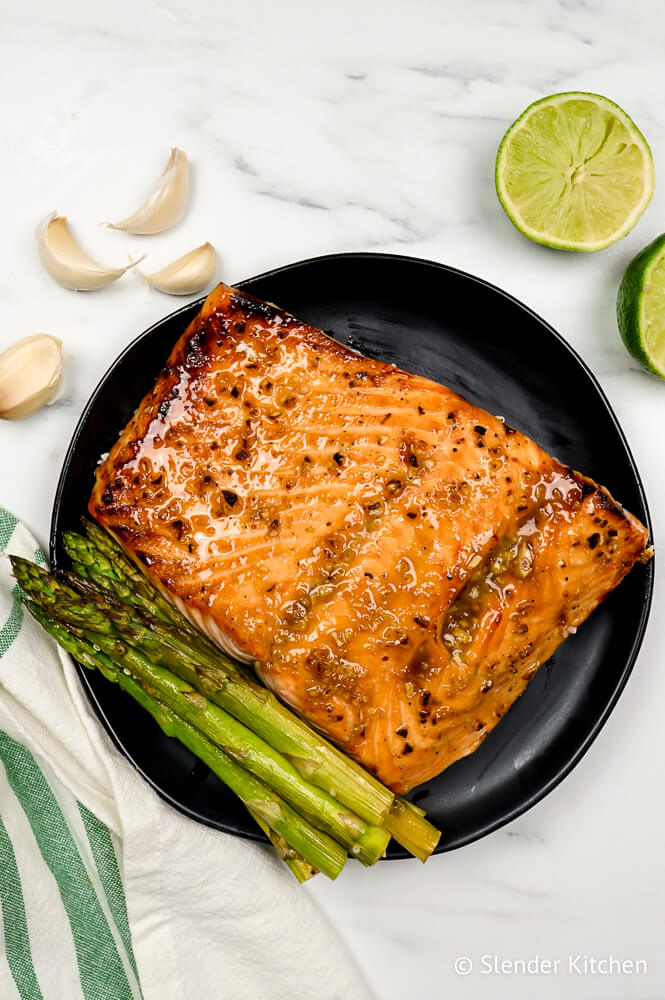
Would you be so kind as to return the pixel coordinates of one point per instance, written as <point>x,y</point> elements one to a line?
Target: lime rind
<point>641,307</point>
<point>536,171</point>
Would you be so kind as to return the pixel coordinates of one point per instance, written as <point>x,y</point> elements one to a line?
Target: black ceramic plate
<point>457,329</point>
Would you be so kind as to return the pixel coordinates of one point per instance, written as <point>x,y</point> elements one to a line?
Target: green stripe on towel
<point>11,628</point>
<point>106,862</point>
<point>100,967</point>
<point>7,524</point>
<point>17,940</point>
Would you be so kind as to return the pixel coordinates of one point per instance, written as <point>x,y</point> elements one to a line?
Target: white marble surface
<point>356,125</point>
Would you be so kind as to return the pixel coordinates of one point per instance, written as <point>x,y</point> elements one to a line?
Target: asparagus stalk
<point>125,581</point>
<point>364,841</point>
<point>298,865</point>
<point>109,559</point>
<point>205,670</point>
<point>301,845</point>
<point>322,763</point>
<point>164,644</point>
<point>409,827</point>
<point>211,672</point>
<point>101,560</point>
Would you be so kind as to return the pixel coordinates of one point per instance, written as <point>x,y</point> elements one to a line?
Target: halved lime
<point>641,307</point>
<point>574,172</point>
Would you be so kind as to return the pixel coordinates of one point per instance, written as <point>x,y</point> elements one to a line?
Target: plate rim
<point>600,720</point>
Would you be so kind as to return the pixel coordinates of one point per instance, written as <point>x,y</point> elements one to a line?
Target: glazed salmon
<point>396,562</point>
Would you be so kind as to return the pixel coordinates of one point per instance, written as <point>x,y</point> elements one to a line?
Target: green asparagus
<point>135,611</point>
<point>164,644</point>
<point>207,668</point>
<point>322,764</point>
<point>366,842</point>
<point>298,865</point>
<point>306,847</point>
<point>408,826</point>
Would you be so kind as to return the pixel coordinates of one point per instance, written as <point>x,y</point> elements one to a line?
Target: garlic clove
<point>186,275</point>
<point>30,375</point>
<point>65,261</point>
<point>166,205</point>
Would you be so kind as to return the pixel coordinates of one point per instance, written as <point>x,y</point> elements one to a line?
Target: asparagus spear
<point>205,667</point>
<point>205,671</point>
<point>118,564</point>
<point>124,580</point>
<point>322,763</point>
<point>301,845</point>
<point>409,827</point>
<point>365,842</point>
<point>298,865</point>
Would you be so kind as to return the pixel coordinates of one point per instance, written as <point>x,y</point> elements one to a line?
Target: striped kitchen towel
<point>59,883</point>
<point>106,892</point>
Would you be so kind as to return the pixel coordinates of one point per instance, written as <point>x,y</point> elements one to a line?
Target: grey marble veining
<point>315,128</point>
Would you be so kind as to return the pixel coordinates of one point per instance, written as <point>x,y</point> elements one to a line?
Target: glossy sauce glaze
<point>396,561</point>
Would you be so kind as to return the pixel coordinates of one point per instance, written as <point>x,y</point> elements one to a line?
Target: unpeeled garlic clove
<point>30,375</point>
<point>186,275</point>
<point>166,204</point>
<point>65,261</point>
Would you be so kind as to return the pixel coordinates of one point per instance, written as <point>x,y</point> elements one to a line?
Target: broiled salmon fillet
<point>396,562</point>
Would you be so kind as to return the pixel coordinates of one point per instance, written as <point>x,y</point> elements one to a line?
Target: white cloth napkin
<point>211,916</point>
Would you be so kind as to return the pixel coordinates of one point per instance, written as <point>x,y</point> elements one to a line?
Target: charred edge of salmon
<point>224,316</point>
<point>613,509</point>
<point>228,310</point>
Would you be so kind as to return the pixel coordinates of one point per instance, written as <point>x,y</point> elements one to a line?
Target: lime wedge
<point>641,307</point>
<point>574,172</point>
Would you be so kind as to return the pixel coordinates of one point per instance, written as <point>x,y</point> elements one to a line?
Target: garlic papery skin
<point>166,205</point>
<point>186,275</point>
<point>65,261</point>
<point>30,375</point>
